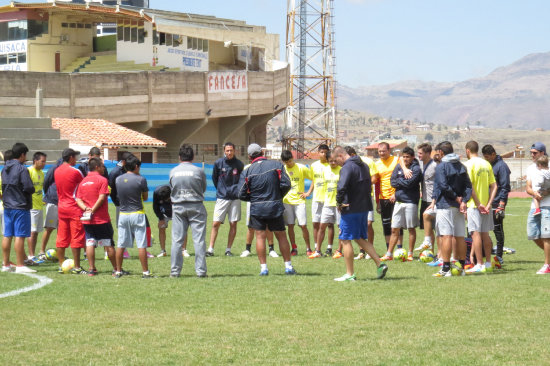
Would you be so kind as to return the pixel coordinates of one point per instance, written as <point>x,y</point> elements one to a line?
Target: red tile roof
<point>101,133</point>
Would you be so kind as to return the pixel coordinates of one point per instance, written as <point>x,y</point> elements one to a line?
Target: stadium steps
<point>36,133</point>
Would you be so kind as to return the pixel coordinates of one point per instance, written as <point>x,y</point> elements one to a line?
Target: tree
<point>429,137</point>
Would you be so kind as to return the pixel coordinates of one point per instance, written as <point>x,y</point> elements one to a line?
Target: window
<point>141,33</point>
<point>127,31</point>
<point>17,30</point>
<point>195,43</point>
<point>22,58</point>
<point>64,25</point>
<point>176,40</point>
<point>3,59</point>
<point>162,38</point>
<point>12,58</point>
<point>189,43</point>
<point>120,32</point>
<point>134,32</point>
<point>80,25</point>
<point>155,37</point>
<point>72,25</point>
<point>205,48</point>
<point>169,39</point>
<point>22,29</point>
<point>88,26</point>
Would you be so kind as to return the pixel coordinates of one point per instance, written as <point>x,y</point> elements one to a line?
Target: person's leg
<point>412,239</point>
<point>179,234</point>
<point>331,234</point>
<point>46,238</point>
<point>197,221</point>
<point>428,221</point>
<point>318,245</point>
<point>90,253</point>
<point>19,246</point>
<point>498,230</point>
<point>213,235</point>
<point>487,246</point>
<point>143,259</point>
<point>291,236</point>
<point>394,238</point>
<point>284,246</point>
<point>370,232</point>
<point>546,244</point>
<point>260,246</point>
<point>369,249</point>
<point>477,246</point>
<point>32,243</point>
<point>76,257</point>
<point>119,256</point>
<point>6,249</point>
<point>321,234</point>
<point>348,256</point>
<point>162,238</point>
<point>232,234</point>
<point>139,229</point>
<point>305,233</point>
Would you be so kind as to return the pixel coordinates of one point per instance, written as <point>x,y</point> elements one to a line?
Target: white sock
<point>488,264</point>
<point>227,249</point>
<point>29,257</point>
<point>428,239</point>
<point>410,253</point>
<point>211,250</point>
<point>388,254</point>
<point>288,265</point>
<point>329,246</point>
<point>263,267</point>
<point>146,273</point>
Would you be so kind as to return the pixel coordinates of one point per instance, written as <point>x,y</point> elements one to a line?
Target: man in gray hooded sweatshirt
<point>188,184</point>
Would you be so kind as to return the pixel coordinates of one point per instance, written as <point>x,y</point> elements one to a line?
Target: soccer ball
<point>67,265</point>
<point>427,256</point>
<point>51,254</point>
<point>400,255</point>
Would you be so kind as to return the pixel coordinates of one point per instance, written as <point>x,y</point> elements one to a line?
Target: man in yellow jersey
<point>329,214</point>
<point>37,214</point>
<point>374,177</point>
<point>480,219</point>
<point>318,187</point>
<point>386,196</point>
<point>295,200</point>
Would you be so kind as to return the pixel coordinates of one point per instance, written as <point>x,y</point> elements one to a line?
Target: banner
<point>227,81</point>
<point>13,56</point>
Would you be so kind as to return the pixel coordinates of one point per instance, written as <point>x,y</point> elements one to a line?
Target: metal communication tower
<point>310,117</point>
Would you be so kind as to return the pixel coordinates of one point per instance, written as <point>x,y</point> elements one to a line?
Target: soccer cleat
<point>92,272</point>
<point>435,263</point>
<point>209,253</point>
<point>149,255</point>
<point>456,269</point>
<point>273,254</point>
<point>337,254</point>
<point>29,262</point>
<point>264,272</point>
<point>7,269</point>
<point>117,274</point>
<point>328,252</point>
<point>245,253</point>
<point>498,262</point>
<point>42,257</point>
<point>162,254</point>
<point>186,253</point>
<point>24,269</point>
<point>409,258</point>
<point>381,271</point>
<point>442,273</point>
<point>290,271</point>
<point>147,275</point>
<point>228,253</point>
<point>316,254</point>
<point>509,250</point>
<point>78,271</point>
<point>359,256</point>
<point>367,257</point>
<point>60,270</point>
<point>106,257</point>
<point>536,212</point>
<point>126,255</point>
<point>123,272</point>
<point>345,278</point>
<point>468,266</point>
<point>294,252</point>
<point>485,269</point>
<point>386,258</point>
<point>425,245</point>
<point>475,269</point>
<point>544,270</point>
<point>309,252</point>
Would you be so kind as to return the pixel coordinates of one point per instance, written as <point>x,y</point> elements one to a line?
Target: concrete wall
<point>172,106</point>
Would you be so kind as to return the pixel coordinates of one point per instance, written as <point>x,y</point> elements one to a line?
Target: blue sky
<point>384,41</point>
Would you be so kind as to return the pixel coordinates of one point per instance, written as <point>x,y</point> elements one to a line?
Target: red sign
<point>227,81</point>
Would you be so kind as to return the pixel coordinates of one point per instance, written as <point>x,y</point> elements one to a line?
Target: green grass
<point>236,317</point>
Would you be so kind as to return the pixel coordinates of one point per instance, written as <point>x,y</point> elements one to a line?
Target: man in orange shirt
<point>386,196</point>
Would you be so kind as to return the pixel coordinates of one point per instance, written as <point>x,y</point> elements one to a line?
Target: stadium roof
<point>101,133</point>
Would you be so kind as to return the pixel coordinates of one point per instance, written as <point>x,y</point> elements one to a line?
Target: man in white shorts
<point>318,187</point>
<point>225,175</point>
<point>452,189</point>
<point>480,218</point>
<point>295,201</point>
<point>407,195</point>
<point>37,213</point>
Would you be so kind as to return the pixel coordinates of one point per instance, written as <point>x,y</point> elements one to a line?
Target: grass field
<point>236,317</point>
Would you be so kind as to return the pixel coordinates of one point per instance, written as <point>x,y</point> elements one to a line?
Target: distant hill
<point>516,95</point>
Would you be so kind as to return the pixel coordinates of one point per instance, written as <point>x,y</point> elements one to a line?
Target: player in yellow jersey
<point>329,215</point>
<point>318,187</point>
<point>295,200</point>
<point>480,219</point>
<point>37,213</point>
<point>386,196</point>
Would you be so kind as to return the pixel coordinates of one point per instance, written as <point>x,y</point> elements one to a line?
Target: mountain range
<point>516,96</point>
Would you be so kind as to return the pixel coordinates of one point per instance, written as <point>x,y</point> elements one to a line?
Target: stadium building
<point>178,77</point>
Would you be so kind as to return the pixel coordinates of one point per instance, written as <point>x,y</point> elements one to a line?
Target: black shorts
<point>386,212</point>
<point>273,224</point>
<point>423,206</point>
<point>99,232</point>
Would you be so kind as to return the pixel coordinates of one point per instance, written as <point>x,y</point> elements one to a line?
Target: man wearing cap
<point>264,184</point>
<point>538,226</point>
<point>70,231</point>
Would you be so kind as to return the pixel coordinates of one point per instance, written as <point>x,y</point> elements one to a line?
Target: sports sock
<point>488,264</point>
<point>248,247</point>
<point>410,253</point>
<point>329,246</point>
<point>271,248</point>
<point>388,254</point>
<point>428,239</point>
<point>210,250</point>
<point>462,263</point>
<point>288,265</point>
<point>146,273</point>
<point>263,267</point>
<point>294,246</point>
<point>399,246</point>
<point>227,249</point>
<point>446,266</point>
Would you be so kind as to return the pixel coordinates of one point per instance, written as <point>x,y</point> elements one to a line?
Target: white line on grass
<point>42,281</point>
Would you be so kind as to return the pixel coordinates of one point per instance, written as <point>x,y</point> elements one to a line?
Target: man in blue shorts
<point>353,198</point>
<point>17,190</point>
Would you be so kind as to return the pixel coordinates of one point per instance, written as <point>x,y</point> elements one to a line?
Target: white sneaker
<point>245,253</point>
<point>345,277</point>
<point>162,254</point>
<point>7,269</point>
<point>273,254</point>
<point>425,245</point>
<point>24,269</point>
<point>359,256</point>
<point>185,253</point>
<point>367,257</point>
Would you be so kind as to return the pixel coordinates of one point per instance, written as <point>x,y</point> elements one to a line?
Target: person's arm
<point>444,188</point>
<point>144,190</point>
<point>215,175</point>
<point>26,181</point>
<point>284,181</point>
<point>342,187</point>
<point>156,206</point>
<point>395,180</point>
<point>504,184</point>
<point>407,173</point>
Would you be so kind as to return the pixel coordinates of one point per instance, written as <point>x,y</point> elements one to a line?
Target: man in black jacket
<point>354,203</point>
<point>264,183</point>
<point>50,198</point>
<point>226,175</point>
<point>17,190</point>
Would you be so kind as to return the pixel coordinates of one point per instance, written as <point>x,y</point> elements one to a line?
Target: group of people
<point>431,189</point>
